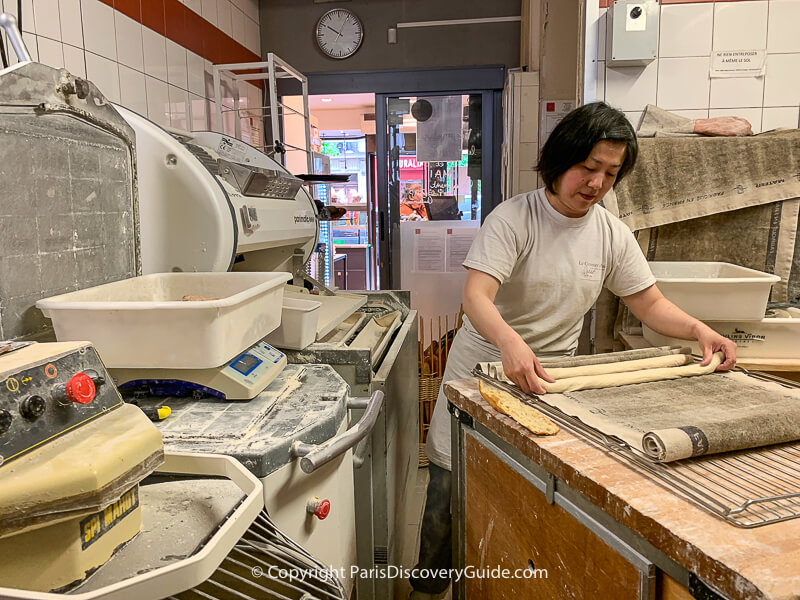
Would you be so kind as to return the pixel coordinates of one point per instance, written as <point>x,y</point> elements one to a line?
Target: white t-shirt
<point>551,268</point>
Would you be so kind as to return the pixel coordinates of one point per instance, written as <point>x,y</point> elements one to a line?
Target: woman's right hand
<point>522,367</point>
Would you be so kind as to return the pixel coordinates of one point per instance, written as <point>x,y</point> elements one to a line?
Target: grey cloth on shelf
<point>657,122</point>
<point>681,178</point>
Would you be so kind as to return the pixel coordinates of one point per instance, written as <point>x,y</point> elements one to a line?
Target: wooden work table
<point>599,528</point>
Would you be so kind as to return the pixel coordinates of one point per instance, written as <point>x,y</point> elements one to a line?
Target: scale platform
<point>242,378</point>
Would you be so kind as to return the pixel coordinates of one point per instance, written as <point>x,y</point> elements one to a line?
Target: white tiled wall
<point>678,80</point>
<point>132,64</point>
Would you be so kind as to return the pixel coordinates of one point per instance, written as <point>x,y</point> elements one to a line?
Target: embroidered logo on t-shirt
<point>591,271</point>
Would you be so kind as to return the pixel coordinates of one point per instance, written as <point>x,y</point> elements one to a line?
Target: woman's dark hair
<point>574,137</point>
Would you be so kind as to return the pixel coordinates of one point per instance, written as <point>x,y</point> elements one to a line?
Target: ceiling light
<point>326,99</point>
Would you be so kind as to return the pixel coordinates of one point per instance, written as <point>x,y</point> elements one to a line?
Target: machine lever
<point>313,456</point>
<point>9,24</point>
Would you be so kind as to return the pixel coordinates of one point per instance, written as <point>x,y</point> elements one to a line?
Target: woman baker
<point>535,268</point>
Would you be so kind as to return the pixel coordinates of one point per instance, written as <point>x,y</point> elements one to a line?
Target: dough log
<point>586,382</point>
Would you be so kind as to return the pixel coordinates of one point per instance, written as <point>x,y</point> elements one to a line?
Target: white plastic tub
<point>715,291</point>
<point>768,338</point>
<point>298,326</point>
<point>143,323</point>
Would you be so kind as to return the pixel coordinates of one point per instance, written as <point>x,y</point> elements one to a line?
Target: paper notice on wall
<point>459,242</point>
<point>429,250</point>
<point>551,112</point>
<point>738,63</point>
<point>439,124</point>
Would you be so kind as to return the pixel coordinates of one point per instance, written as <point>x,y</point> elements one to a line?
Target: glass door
<point>431,191</point>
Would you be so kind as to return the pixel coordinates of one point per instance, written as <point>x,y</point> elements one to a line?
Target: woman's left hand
<point>662,316</point>
<point>710,341</point>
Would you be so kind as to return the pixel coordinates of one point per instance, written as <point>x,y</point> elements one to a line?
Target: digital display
<point>246,363</point>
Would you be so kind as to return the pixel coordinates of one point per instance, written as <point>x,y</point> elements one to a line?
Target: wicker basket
<point>428,391</point>
<point>432,359</point>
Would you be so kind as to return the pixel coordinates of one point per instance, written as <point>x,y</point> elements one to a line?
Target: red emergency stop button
<point>80,388</point>
<point>319,508</point>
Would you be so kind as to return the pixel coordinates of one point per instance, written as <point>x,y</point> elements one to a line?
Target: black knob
<point>59,393</point>
<point>81,88</point>
<point>96,377</point>
<point>636,12</point>
<point>5,421</point>
<point>32,407</point>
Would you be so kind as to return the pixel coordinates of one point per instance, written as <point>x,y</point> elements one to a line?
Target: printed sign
<point>738,63</point>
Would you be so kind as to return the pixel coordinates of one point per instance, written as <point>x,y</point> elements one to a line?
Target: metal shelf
<point>270,71</point>
<point>748,489</point>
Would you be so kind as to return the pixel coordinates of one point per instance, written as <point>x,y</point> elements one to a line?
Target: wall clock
<point>339,33</point>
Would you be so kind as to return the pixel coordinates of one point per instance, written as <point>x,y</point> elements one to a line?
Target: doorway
<point>483,82</point>
<point>435,185</point>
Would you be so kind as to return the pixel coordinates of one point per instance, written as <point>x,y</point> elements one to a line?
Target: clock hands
<point>338,33</point>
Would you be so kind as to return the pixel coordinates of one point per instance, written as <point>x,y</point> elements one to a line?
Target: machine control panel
<point>254,364</point>
<point>47,390</point>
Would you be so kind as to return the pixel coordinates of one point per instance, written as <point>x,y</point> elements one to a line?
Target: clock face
<point>339,33</point>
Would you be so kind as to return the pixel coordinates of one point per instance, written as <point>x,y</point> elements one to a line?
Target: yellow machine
<point>72,455</point>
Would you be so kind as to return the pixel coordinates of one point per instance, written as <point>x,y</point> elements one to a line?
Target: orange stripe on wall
<point>182,25</point>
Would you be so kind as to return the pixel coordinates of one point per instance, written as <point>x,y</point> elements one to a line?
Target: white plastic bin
<point>143,323</point>
<point>298,326</point>
<point>768,338</point>
<point>715,291</point>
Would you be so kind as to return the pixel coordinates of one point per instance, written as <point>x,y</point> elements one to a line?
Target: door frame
<point>488,80</point>
<point>389,225</point>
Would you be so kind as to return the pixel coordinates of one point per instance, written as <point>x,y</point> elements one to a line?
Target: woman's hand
<point>521,365</point>
<point>664,317</point>
<point>710,341</point>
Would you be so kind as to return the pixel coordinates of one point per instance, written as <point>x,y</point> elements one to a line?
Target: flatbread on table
<point>528,417</point>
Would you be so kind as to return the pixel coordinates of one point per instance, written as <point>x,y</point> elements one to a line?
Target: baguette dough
<point>528,417</point>
<point>659,362</point>
<point>671,360</point>
<point>572,384</point>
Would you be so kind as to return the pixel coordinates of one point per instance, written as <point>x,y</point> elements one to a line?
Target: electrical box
<point>632,38</point>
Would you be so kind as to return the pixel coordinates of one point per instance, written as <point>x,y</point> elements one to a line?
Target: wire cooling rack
<point>747,488</point>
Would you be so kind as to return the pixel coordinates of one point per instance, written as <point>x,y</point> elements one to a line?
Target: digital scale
<point>242,378</point>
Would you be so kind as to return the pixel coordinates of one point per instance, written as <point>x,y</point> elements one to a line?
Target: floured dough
<point>672,360</point>
<point>523,414</point>
<point>572,384</point>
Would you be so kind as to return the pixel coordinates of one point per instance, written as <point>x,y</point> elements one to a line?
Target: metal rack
<point>250,570</point>
<point>747,488</point>
<point>270,71</point>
